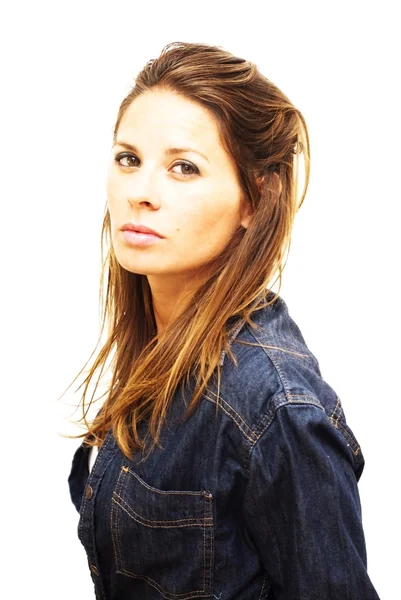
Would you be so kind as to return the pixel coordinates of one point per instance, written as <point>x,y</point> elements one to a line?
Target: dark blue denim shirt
<point>255,500</point>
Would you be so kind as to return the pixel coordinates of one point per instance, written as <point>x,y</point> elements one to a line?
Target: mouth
<point>140,236</point>
<point>140,230</point>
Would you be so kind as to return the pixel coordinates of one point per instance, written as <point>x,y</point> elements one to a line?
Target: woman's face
<point>170,173</point>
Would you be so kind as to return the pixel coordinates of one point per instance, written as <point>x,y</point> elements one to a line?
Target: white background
<point>65,68</point>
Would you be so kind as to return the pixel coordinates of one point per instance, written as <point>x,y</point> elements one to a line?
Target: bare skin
<point>191,198</point>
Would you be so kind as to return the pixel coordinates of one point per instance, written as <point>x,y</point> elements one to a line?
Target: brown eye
<point>187,168</point>
<point>128,158</point>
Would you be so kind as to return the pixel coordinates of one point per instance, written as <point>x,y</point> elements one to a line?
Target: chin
<point>152,267</point>
<point>142,269</point>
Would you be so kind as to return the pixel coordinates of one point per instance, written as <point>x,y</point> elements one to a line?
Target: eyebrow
<point>168,152</point>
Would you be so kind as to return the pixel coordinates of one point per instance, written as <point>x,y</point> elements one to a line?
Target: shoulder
<point>272,369</point>
<point>272,365</point>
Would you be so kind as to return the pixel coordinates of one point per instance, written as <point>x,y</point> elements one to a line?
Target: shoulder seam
<point>252,436</point>
<point>338,421</point>
<point>280,372</point>
<point>278,402</point>
<point>230,411</point>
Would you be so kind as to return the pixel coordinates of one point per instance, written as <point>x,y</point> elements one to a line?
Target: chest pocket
<point>163,537</point>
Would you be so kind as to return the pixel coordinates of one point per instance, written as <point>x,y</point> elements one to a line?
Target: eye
<point>186,166</point>
<point>188,169</point>
<point>129,158</point>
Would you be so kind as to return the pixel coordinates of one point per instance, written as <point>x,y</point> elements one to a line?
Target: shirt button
<point>94,570</point>
<point>89,492</point>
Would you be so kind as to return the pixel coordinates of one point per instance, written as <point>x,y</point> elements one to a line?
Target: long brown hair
<point>264,134</point>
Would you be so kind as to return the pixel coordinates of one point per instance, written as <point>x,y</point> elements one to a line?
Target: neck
<point>170,297</point>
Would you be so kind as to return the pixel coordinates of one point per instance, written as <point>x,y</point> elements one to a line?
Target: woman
<point>225,468</point>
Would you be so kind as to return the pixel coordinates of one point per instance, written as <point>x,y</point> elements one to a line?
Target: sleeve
<point>302,509</point>
<point>79,474</point>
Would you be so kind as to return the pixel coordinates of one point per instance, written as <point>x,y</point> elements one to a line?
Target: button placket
<point>86,528</point>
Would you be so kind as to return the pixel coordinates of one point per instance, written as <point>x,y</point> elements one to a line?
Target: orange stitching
<point>204,551</point>
<point>232,417</point>
<point>234,411</point>
<point>303,399</point>
<point>163,592</point>
<point>211,545</point>
<point>161,492</point>
<point>149,520</point>
<point>117,547</point>
<point>162,524</point>
<point>196,593</point>
<point>334,412</point>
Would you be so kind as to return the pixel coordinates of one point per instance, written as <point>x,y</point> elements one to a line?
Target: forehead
<point>165,115</point>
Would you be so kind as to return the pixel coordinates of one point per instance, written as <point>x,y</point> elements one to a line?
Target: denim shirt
<point>254,499</point>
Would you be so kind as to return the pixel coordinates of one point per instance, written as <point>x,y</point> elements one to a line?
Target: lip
<point>140,235</point>
<point>138,239</point>
<point>140,229</point>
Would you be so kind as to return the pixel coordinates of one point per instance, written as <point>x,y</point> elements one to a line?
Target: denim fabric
<point>256,499</point>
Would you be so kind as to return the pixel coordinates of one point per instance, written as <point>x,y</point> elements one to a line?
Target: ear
<point>276,186</point>
<point>246,214</point>
<point>275,183</point>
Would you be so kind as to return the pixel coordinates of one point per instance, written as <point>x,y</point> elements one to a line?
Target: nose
<point>143,191</point>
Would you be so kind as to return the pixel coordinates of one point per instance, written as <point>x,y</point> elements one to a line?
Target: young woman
<point>225,467</point>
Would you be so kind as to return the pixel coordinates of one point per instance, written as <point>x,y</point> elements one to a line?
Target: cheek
<point>110,181</point>
<point>114,196</point>
<point>208,224</point>
<point>222,211</point>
